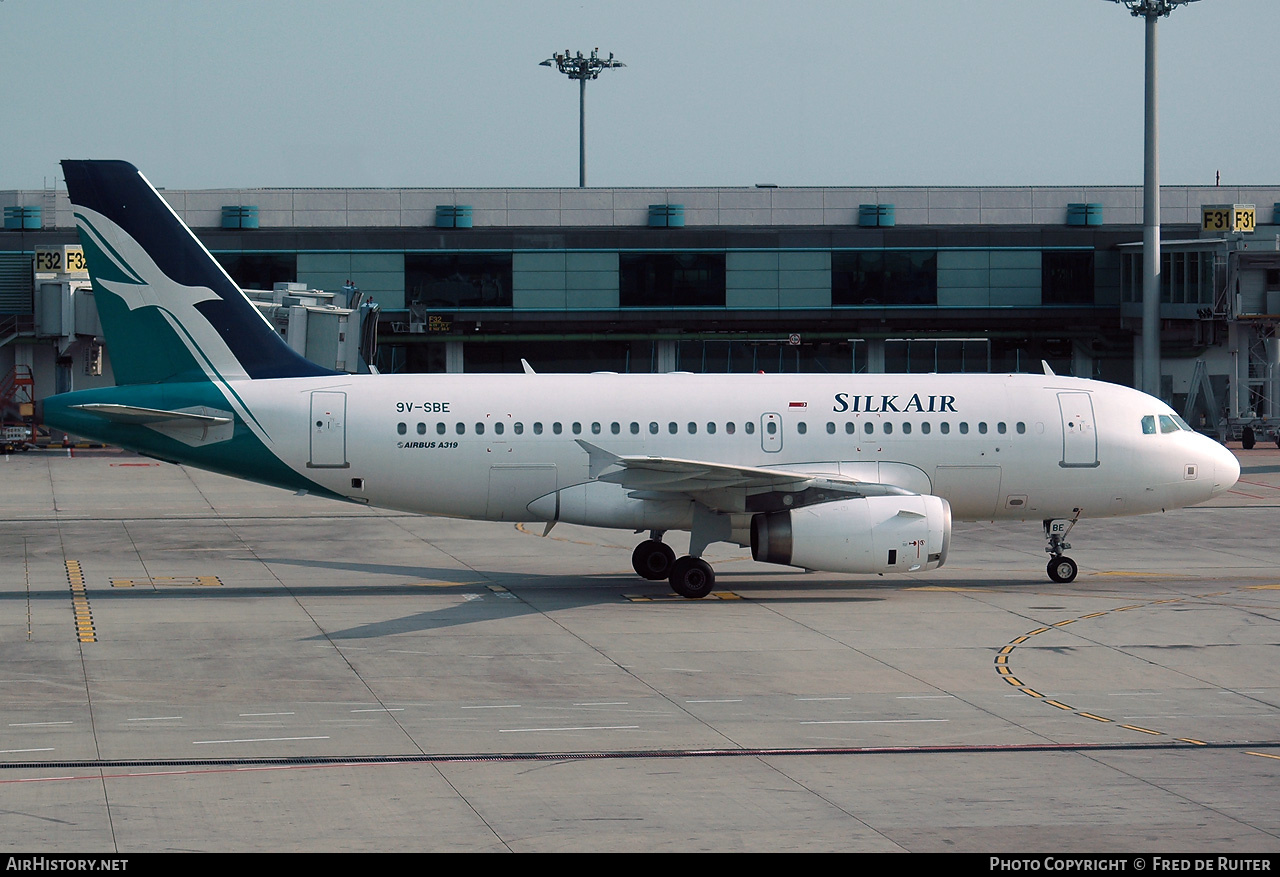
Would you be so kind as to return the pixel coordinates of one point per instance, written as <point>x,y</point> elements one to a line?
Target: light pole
<point>1151,11</point>
<point>582,69</point>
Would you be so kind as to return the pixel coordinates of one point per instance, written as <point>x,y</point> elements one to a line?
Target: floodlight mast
<point>582,69</point>
<point>1151,11</point>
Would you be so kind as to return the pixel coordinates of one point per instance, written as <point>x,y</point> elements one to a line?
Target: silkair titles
<point>879,404</point>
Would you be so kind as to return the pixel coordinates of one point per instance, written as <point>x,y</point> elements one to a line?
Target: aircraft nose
<point>1226,469</point>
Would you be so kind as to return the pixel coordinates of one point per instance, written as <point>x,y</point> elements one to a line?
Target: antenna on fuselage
<point>1048,371</point>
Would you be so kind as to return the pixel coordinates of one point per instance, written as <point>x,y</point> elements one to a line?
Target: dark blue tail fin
<point>169,310</point>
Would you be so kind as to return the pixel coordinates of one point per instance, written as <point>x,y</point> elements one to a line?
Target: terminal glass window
<point>1066,278</point>
<point>884,277</point>
<point>458,280</point>
<point>260,270</point>
<point>671,280</point>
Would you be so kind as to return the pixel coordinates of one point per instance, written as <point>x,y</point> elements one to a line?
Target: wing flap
<point>723,487</point>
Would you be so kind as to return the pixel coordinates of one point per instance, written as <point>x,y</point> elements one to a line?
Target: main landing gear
<point>1062,569</point>
<point>690,577</point>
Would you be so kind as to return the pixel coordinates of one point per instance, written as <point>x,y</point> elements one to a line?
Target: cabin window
<point>653,427</point>
<point>557,428</point>
<point>479,428</point>
<point>868,427</point>
<point>1022,428</point>
<point>440,428</point>
<point>802,427</point>
<point>849,427</point>
<point>831,428</point>
<point>518,427</point>
<point>595,428</point>
<point>964,427</point>
<point>926,427</point>
<point>945,427</point>
<point>577,428</point>
<point>461,429</point>
<point>730,428</point>
<point>615,427</point>
<point>635,428</point>
<point>673,427</point>
<point>497,428</point>
<point>711,427</point>
<point>750,427</point>
<point>982,427</point>
<point>537,427</point>
<point>402,428</point>
<point>771,427</point>
<point>888,428</point>
<point>693,428</point>
<point>422,429</point>
<point>1001,428</point>
<point>906,429</point>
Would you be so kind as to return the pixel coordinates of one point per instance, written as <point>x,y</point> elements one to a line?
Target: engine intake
<point>874,534</point>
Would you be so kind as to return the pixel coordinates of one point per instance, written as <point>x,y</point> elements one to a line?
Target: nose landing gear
<point>1062,569</point>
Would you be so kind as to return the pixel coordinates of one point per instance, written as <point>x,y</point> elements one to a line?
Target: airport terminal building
<point>761,278</point>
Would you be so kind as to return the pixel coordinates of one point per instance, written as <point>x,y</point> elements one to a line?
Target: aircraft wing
<point>726,488</point>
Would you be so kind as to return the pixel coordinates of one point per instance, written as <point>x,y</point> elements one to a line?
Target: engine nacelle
<point>874,534</point>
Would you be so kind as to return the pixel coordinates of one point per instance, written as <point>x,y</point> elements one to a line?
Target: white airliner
<point>856,473</point>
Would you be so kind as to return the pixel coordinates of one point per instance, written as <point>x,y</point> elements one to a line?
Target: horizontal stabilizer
<point>150,416</point>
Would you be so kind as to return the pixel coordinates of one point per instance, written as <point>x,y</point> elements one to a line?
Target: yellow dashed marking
<point>676,598</point>
<point>80,611</point>
<point>1005,671</point>
<point>1145,575</point>
<point>169,582</point>
<point>1262,754</point>
<point>943,588</point>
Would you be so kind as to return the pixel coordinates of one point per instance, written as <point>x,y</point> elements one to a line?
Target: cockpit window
<point>1149,425</point>
<point>1182,423</point>
<point>1167,424</point>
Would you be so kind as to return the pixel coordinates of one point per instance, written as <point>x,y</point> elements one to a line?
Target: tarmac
<point>191,662</point>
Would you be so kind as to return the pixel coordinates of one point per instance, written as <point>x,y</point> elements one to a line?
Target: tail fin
<point>168,309</point>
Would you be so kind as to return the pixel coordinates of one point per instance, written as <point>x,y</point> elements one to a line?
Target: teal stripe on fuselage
<point>242,456</point>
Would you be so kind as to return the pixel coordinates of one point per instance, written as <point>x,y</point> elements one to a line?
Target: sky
<point>392,93</point>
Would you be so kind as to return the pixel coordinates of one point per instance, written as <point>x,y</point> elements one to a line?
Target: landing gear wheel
<point>1063,569</point>
<point>653,559</point>
<point>1247,438</point>
<point>692,577</point>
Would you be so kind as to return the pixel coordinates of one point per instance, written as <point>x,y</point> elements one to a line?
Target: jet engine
<point>874,534</point>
